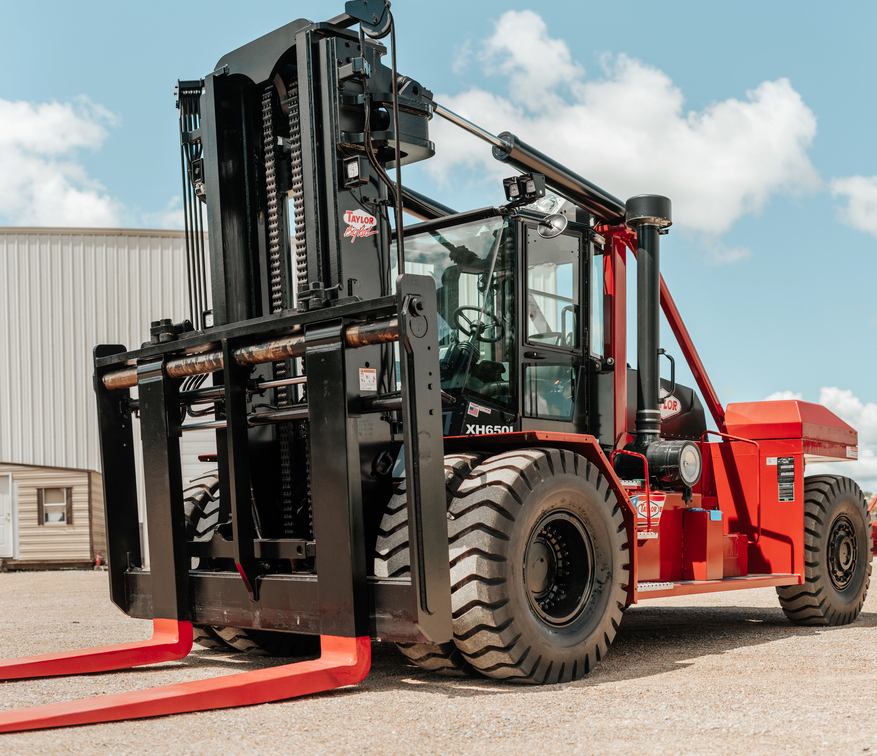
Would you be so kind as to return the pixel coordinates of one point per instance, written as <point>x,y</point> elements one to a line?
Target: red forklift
<point>427,434</point>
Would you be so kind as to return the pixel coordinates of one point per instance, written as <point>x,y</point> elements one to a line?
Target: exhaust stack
<point>648,215</point>
<point>670,462</point>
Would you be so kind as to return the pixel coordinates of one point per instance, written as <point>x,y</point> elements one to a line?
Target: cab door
<point>552,333</point>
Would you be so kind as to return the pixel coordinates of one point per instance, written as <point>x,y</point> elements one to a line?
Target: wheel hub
<point>559,568</point>
<point>842,552</point>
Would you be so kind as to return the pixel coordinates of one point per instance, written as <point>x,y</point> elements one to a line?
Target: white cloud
<point>41,181</point>
<point>861,195</point>
<point>170,217</point>
<point>462,57</point>
<point>628,130</point>
<point>719,254</point>
<point>534,63</point>
<point>780,396</point>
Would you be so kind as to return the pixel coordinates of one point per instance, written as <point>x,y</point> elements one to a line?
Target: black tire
<point>269,642</point>
<point>206,637</point>
<point>539,566</point>
<point>393,559</point>
<point>837,555</point>
<point>201,509</point>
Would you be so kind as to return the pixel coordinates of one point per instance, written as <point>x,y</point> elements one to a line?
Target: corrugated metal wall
<point>62,291</point>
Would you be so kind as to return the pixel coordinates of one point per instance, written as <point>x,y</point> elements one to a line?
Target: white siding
<point>98,517</point>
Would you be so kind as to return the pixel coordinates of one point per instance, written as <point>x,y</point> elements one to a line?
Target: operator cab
<point>512,347</point>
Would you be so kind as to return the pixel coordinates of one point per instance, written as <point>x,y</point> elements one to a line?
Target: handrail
<point>629,453</point>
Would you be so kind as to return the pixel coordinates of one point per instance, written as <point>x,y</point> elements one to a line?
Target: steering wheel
<point>476,330</point>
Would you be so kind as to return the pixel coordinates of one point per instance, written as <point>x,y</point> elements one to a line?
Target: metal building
<point>62,291</point>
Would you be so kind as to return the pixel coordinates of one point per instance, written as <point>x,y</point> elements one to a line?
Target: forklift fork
<point>344,611</point>
<point>171,640</point>
<point>343,661</point>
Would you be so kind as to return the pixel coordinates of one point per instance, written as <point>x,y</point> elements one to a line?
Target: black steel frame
<point>338,598</point>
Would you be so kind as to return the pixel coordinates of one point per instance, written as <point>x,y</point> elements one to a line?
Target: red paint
<point>344,661</point>
<point>729,437</point>
<point>170,640</point>
<point>702,552</point>
<point>735,549</point>
<point>790,419</point>
<point>739,481</point>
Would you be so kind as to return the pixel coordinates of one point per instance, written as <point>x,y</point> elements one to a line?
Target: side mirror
<point>552,225</point>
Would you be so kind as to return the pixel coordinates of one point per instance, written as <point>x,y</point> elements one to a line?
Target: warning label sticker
<point>786,478</point>
<point>368,379</point>
<point>475,409</point>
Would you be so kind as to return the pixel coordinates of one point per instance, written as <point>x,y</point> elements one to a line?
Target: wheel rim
<point>843,552</point>
<point>559,568</point>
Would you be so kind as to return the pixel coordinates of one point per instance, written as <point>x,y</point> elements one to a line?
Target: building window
<point>55,506</point>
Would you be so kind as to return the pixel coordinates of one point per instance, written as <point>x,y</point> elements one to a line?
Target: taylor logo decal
<point>670,407</point>
<point>359,224</point>
<point>657,501</point>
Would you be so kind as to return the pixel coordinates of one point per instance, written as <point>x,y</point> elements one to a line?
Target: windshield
<point>472,265</point>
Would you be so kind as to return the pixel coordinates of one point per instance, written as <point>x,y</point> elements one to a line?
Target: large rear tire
<point>539,566</point>
<point>393,559</point>
<point>837,554</point>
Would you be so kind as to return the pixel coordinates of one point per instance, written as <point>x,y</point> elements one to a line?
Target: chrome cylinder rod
<point>284,348</point>
<point>450,115</point>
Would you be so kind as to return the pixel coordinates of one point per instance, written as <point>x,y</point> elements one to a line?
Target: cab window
<point>553,297</point>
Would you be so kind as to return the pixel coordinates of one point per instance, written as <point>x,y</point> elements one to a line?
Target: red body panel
<point>790,419</point>
<point>735,555</point>
<point>702,548</point>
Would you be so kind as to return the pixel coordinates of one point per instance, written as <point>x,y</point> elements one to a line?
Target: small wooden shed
<point>50,517</point>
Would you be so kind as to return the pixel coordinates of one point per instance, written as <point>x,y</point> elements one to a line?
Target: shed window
<point>55,506</point>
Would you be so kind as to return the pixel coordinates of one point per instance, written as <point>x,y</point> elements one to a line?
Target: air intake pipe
<point>648,215</point>
<point>670,462</point>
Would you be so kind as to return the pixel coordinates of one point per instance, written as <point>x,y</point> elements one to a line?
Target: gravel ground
<point>723,673</point>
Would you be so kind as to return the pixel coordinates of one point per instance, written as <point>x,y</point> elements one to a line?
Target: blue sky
<point>747,114</point>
